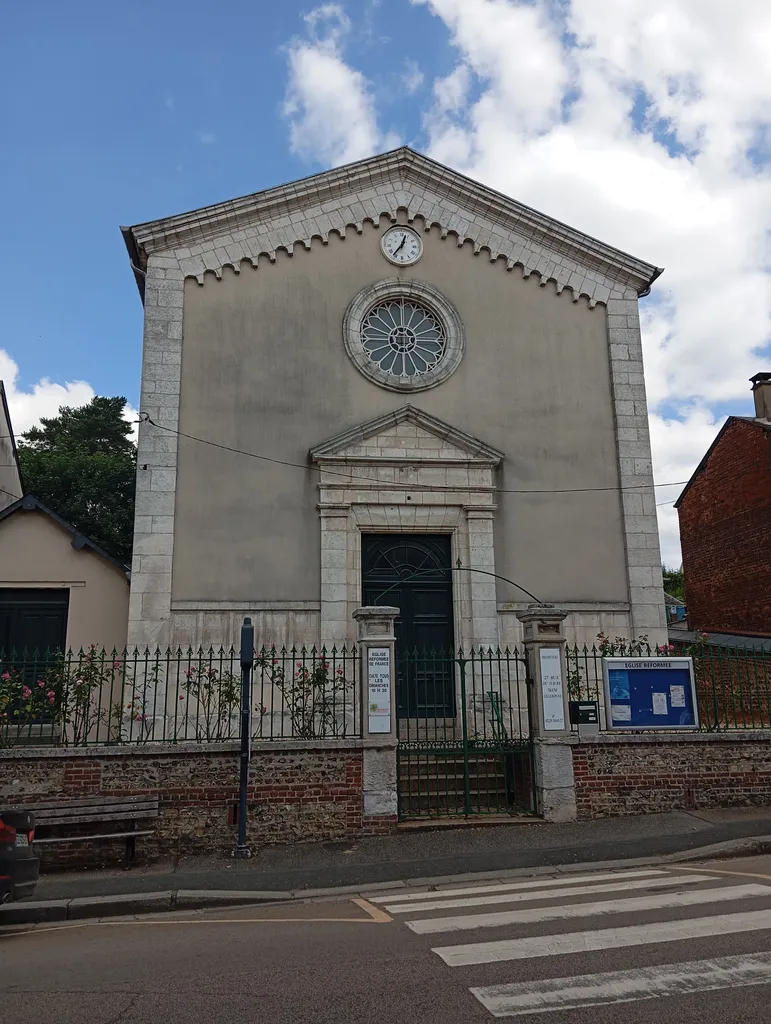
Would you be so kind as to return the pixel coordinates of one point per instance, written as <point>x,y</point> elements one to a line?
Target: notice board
<point>379,689</point>
<point>650,693</point>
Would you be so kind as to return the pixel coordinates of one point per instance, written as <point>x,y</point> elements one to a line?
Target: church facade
<point>389,384</point>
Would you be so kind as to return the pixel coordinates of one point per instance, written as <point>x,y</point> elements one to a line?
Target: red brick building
<point>725,525</point>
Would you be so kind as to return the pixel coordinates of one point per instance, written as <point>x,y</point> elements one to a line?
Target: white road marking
<point>639,904</point>
<point>541,894</point>
<point>607,938</point>
<point>625,986</point>
<point>538,883</point>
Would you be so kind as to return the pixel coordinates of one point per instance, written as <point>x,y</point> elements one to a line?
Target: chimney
<point>761,389</point>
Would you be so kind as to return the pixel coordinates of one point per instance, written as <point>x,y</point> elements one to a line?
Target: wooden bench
<point>96,810</point>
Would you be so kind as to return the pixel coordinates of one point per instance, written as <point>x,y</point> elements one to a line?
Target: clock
<point>402,246</point>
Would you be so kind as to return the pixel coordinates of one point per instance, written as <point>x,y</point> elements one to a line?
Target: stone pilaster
<point>334,573</point>
<point>638,497</point>
<point>150,602</point>
<point>379,778</point>
<point>544,643</point>
<point>484,608</point>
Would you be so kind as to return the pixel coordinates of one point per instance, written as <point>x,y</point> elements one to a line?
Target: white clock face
<point>401,246</point>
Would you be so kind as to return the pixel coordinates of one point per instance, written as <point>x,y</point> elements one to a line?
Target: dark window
<point>33,620</point>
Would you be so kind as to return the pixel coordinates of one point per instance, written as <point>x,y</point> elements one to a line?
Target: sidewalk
<point>424,854</point>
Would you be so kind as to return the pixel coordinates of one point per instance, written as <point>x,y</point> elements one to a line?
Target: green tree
<point>674,582</point>
<point>82,464</point>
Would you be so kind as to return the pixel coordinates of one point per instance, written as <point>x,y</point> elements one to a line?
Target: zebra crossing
<point>582,908</point>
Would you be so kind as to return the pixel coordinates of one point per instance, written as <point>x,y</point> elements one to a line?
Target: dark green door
<point>412,572</point>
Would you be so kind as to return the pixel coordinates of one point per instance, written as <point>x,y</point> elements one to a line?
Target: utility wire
<point>456,568</point>
<point>389,486</point>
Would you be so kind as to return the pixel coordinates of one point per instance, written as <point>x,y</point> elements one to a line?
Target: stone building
<point>388,383</point>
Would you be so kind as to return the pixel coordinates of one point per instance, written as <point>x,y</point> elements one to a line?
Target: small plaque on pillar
<point>379,689</point>
<point>551,690</point>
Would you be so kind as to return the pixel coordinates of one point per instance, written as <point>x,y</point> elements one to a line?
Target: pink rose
<point>50,695</point>
<point>6,676</point>
<point>40,682</point>
<point>26,692</point>
<point>50,700</point>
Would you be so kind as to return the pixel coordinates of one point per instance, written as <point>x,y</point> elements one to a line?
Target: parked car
<point>18,863</point>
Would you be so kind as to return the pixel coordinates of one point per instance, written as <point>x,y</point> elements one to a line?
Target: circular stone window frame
<point>396,288</point>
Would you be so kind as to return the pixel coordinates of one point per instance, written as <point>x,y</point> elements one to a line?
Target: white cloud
<point>644,123</point>
<point>329,104</point>
<point>413,77</point>
<point>579,132</point>
<point>44,398</point>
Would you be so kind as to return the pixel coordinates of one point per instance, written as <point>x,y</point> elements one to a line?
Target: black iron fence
<point>733,684</point>
<point>97,697</point>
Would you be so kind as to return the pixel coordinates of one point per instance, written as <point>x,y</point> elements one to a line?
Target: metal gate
<point>465,743</point>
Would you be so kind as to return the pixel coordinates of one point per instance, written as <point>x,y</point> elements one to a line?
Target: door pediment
<point>407,435</point>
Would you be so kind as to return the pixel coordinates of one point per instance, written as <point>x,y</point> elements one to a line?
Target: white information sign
<point>379,689</point>
<point>551,690</point>
<point>622,712</point>
<point>660,704</point>
<point>677,696</point>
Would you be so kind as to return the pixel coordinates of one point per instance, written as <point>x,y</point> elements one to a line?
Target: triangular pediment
<point>344,199</point>
<point>406,435</point>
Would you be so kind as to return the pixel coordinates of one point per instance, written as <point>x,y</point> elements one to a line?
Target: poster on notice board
<point>650,693</point>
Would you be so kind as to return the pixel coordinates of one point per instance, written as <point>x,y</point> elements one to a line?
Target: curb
<point>82,908</point>
<point>57,911</point>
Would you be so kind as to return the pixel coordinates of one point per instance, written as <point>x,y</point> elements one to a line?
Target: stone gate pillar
<point>377,689</point>
<point>544,643</point>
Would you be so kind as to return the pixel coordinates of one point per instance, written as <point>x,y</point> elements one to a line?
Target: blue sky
<point>127,112</point>
<point>644,123</point>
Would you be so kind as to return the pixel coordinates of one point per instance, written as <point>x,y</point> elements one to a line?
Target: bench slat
<point>78,819</point>
<point>80,839</point>
<point>107,805</point>
<point>94,801</point>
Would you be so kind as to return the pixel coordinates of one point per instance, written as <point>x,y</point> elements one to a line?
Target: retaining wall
<point>645,774</point>
<point>312,791</point>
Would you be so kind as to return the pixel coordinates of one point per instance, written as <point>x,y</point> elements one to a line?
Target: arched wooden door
<point>413,572</point>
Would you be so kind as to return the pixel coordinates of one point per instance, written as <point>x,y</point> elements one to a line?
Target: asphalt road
<point>641,945</point>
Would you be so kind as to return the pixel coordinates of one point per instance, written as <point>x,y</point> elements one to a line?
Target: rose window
<point>403,337</point>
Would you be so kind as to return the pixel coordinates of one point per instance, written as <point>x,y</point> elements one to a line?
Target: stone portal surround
<point>408,473</point>
<point>150,603</point>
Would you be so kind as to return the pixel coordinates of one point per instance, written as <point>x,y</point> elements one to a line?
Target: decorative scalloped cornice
<point>209,239</point>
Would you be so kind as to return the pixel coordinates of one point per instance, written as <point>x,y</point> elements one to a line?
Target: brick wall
<point>725,529</point>
<point>648,774</point>
<point>295,795</point>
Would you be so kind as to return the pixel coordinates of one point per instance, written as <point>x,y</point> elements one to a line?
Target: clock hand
<point>401,246</point>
